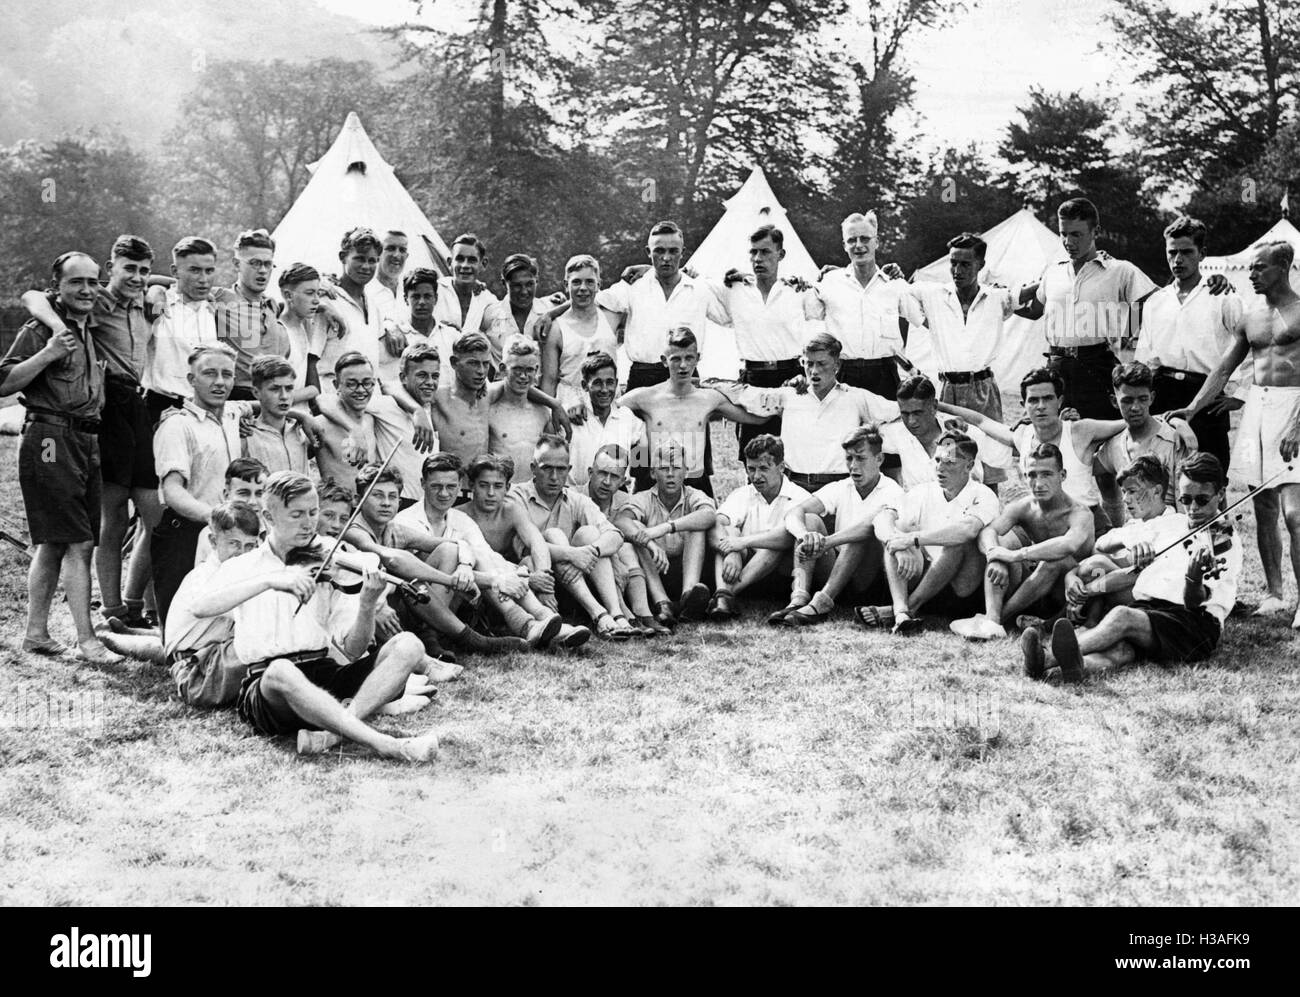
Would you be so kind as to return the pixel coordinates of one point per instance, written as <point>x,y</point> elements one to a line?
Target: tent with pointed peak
<point>1236,267</point>
<point>1019,248</point>
<point>353,185</point>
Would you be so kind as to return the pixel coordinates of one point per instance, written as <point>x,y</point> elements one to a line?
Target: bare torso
<point>514,426</point>
<point>679,418</point>
<point>1274,337</point>
<point>462,425</point>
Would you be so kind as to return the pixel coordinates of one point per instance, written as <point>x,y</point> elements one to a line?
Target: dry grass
<point>727,765</point>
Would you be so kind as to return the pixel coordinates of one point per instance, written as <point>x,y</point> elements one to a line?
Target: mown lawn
<point>727,765</point>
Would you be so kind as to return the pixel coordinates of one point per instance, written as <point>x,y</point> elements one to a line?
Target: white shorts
<point>1269,413</point>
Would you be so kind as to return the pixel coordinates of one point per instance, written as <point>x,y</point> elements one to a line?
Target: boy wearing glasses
<point>1180,598</point>
<point>247,320</point>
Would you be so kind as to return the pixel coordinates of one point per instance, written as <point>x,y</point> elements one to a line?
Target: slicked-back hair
<point>769,232</point>
<point>969,240</point>
<point>1135,374</point>
<point>254,238</point>
<point>1204,467</point>
<point>682,337</point>
<point>418,276</point>
<point>1048,451</point>
<point>297,273</point>
<point>583,261</point>
<point>443,460</point>
<point>1145,467</point>
<point>516,262</point>
<point>193,245</point>
<point>1185,227</point>
<point>918,387</point>
<point>245,469</point>
<point>667,228</point>
<point>869,434</point>
<point>470,342</point>
<point>371,472</point>
<point>595,363</point>
<point>470,239</point>
<point>500,463</point>
<point>228,516</point>
<point>285,486</point>
<point>1078,209</point>
<point>203,349</point>
<point>823,342</point>
<point>352,358</point>
<point>58,266</point>
<point>131,247</point>
<point>1281,253</point>
<point>967,449</point>
<point>332,492</point>
<point>419,353</point>
<point>265,369</point>
<point>765,445</point>
<point>1042,375</point>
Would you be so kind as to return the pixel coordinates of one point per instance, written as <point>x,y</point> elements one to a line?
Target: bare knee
<point>584,535</point>
<point>813,523</point>
<point>280,676</point>
<point>405,646</point>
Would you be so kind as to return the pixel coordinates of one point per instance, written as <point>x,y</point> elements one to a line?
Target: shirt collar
<point>199,412</point>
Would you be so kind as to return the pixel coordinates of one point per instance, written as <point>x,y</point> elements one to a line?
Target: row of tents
<point>353,185</point>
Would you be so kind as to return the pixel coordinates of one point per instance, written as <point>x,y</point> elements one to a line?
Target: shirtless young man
<point>514,422</point>
<point>348,438</point>
<point>1059,532</point>
<point>1268,437</point>
<point>678,411</point>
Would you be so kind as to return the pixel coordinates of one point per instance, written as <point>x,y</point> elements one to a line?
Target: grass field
<point>726,765</point>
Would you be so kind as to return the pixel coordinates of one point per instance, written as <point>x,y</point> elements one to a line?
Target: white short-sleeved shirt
<point>842,500</point>
<point>447,309</point>
<point>812,428</point>
<point>769,330</point>
<point>1092,306</point>
<point>650,313</point>
<point>1163,529</point>
<point>194,443</point>
<point>925,508</point>
<point>1193,334</point>
<point>750,513</point>
<point>182,326</point>
<point>1164,578</point>
<point>964,342</point>
<point>863,319</point>
<point>622,427</point>
<point>918,465</point>
<point>648,508</point>
<point>458,526</point>
<point>364,331</point>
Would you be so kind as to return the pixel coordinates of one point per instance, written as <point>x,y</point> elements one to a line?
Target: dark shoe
<point>722,607</point>
<point>1065,649</point>
<point>1031,647</point>
<point>802,619</point>
<point>664,614</point>
<point>652,627</point>
<point>695,601</point>
<point>777,619</point>
<point>472,640</point>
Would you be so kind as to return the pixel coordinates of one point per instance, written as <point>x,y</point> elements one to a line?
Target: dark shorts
<point>126,438</point>
<point>340,681</point>
<point>158,403</point>
<point>58,472</point>
<point>1087,381</point>
<point>879,375</point>
<point>1179,634</point>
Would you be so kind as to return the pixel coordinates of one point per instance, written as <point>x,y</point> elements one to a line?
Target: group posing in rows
<point>338,489</point>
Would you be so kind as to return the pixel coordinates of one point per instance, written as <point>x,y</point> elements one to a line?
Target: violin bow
<point>356,511</point>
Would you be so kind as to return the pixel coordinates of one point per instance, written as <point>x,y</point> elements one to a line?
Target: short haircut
<point>867,433</point>
<point>1048,451</point>
<point>203,349</point>
<point>245,469</point>
<point>682,337</point>
<point>550,441</point>
<point>1203,467</point>
<point>668,449</point>
<point>1042,375</point>
<point>131,247</point>
<point>470,239</point>
<point>967,449</point>
<point>352,358</point>
<point>285,486</point>
<point>765,445</point>
<point>1145,467</point>
<point>394,231</point>
<point>442,461</point>
<point>470,342</point>
<point>1078,209</point>
<point>332,493</point>
<point>56,268</point>
<point>228,516</point>
<point>583,261</point>
<point>516,262</point>
<point>418,276</point>
<point>419,353</point>
<point>358,239</point>
<point>519,346</point>
<point>1134,373</point>
<point>858,218</point>
<point>666,228</point>
<point>484,462</point>
<point>1185,227</point>
<point>614,452</point>
<point>254,238</point>
<point>595,363</point>
<point>969,240</point>
<point>768,232</point>
<point>823,342</point>
<point>193,245</point>
<point>268,368</point>
<point>1281,253</point>
<point>918,387</point>
<point>377,474</point>
<point>297,273</point>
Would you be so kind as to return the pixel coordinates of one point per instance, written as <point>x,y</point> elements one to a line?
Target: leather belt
<point>816,480</point>
<point>1093,350</point>
<point>964,376</point>
<point>294,657</point>
<point>866,362</point>
<point>1179,375</point>
<point>70,421</point>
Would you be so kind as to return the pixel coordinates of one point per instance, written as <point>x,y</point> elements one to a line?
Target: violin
<point>343,564</point>
<point>1217,540</point>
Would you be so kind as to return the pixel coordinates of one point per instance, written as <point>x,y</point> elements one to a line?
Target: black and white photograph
<point>597,453</point>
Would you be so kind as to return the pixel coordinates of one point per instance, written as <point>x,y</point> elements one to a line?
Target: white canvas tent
<point>726,247</point>
<point>1019,248</point>
<point>1236,266</point>
<point>352,185</point>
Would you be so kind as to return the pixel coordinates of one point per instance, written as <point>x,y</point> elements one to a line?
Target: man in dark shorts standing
<point>61,378</point>
<point>1180,599</point>
<point>301,664</point>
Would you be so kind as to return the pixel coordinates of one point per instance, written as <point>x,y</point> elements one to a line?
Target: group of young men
<point>338,488</point>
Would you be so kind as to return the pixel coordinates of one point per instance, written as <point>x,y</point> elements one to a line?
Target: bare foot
<point>416,749</point>
<point>406,704</point>
<point>440,671</point>
<point>92,652</point>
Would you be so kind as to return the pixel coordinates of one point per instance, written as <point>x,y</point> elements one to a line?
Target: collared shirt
<point>456,526</point>
<point>842,500</point>
<point>182,326</point>
<point>251,328</point>
<point>394,427</point>
<point>1093,305</point>
<point>279,449</point>
<point>194,443</point>
<point>769,330</point>
<point>651,314</point>
<point>622,427</point>
<point>71,386</point>
<point>1163,529</point>
<point>964,341</point>
<point>1165,577</point>
<point>399,534</point>
<point>1164,444</point>
<point>571,510</point>
<point>812,428</point>
<point>925,508</point>
<point>447,308</point>
<point>863,319</point>
<point>184,630</point>
<point>648,509</point>
<point>121,331</point>
<point>364,331</point>
<point>750,513</point>
<point>269,624</point>
<point>1193,334</point>
<point>501,324</point>
<point>917,463</point>
<point>305,339</point>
